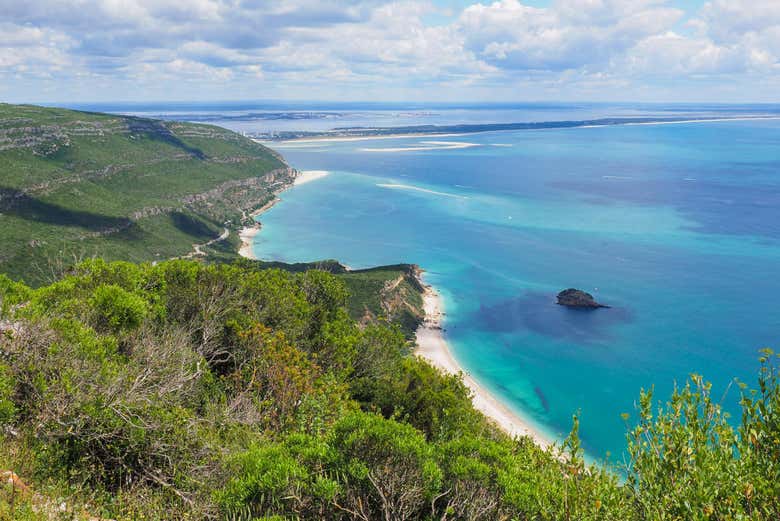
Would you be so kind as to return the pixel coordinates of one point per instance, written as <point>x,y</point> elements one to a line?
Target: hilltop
<point>80,184</point>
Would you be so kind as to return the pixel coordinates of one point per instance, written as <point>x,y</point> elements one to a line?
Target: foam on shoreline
<point>248,233</point>
<point>433,347</point>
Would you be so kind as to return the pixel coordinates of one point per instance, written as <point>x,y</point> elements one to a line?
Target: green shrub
<point>471,469</point>
<point>11,294</point>
<point>7,388</point>
<point>759,446</point>
<point>269,480</point>
<point>188,390</point>
<point>117,310</point>
<point>388,466</point>
<point>689,462</point>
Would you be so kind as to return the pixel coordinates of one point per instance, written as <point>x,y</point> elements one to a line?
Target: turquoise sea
<point>676,226</point>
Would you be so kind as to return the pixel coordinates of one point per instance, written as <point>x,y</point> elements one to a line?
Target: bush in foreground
<point>225,392</point>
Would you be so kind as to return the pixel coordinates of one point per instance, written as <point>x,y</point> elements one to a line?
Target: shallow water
<point>676,226</point>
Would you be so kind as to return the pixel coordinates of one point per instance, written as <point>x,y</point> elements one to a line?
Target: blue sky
<point>353,50</point>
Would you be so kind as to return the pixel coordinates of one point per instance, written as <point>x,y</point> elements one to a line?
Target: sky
<point>367,50</point>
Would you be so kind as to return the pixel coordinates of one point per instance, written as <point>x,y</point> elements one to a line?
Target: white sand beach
<point>307,176</point>
<point>433,347</point>
<point>247,235</point>
<point>334,139</point>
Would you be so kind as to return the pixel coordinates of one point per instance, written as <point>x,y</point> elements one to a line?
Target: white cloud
<point>673,54</point>
<point>744,35</point>
<point>569,35</point>
<point>33,50</point>
<point>731,20</point>
<point>357,48</point>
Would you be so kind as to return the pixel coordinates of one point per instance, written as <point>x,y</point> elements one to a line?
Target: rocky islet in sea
<point>575,298</point>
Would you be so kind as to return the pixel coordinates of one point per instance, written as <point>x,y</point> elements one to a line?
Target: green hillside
<point>392,293</point>
<point>192,391</point>
<point>245,390</point>
<point>77,184</point>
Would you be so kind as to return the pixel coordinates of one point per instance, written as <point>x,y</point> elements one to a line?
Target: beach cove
<point>247,234</point>
<point>431,342</point>
<point>647,218</point>
<point>433,347</point>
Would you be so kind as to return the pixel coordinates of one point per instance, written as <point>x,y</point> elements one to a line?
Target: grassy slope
<point>391,292</point>
<point>76,184</point>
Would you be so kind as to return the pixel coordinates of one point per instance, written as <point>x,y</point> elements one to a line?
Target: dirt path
<point>196,248</point>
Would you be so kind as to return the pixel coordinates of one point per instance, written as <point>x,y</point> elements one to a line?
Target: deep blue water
<point>676,226</point>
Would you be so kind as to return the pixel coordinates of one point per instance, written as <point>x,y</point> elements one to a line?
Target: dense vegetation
<point>76,184</point>
<point>184,390</point>
<point>244,390</point>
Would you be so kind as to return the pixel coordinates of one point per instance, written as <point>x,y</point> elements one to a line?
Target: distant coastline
<point>328,137</point>
<point>357,133</point>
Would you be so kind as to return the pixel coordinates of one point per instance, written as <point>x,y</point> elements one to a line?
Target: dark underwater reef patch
<point>538,312</point>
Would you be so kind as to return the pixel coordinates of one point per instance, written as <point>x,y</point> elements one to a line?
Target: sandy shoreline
<point>326,138</point>
<point>247,234</point>
<point>433,347</point>
<point>308,176</point>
